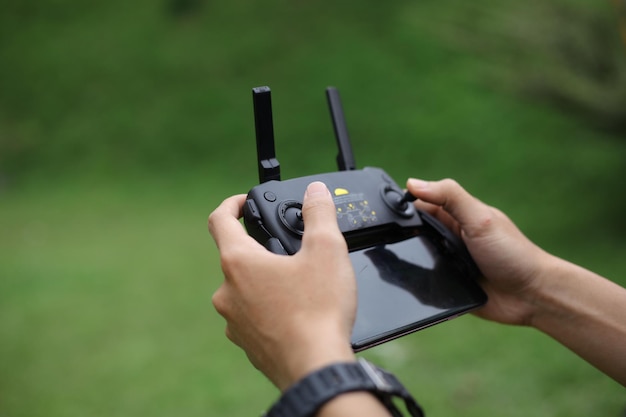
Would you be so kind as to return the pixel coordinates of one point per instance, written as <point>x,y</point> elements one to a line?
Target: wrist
<point>314,356</point>
<point>556,297</point>
<point>346,388</point>
<point>310,353</point>
<point>528,299</point>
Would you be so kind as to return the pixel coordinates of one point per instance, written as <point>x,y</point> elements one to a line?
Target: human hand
<point>290,314</point>
<point>528,286</point>
<point>512,266</point>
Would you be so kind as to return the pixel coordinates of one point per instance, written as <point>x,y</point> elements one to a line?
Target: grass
<point>105,302</point>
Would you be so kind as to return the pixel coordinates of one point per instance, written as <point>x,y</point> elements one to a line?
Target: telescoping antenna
<point>345,159</point>
<point>269,168</point>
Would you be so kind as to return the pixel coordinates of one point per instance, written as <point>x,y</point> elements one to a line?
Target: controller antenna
<point>345,159</point>
<point>269,168</point>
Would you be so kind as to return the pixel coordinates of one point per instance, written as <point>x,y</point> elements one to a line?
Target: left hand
<point>290,314</point>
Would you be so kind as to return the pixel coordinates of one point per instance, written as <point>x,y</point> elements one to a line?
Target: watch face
<point>407,286</point>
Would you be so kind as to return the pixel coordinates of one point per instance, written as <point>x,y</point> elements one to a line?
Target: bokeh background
<point>123,124</point>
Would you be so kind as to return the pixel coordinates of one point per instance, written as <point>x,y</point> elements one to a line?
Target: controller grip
<point>274,246</point>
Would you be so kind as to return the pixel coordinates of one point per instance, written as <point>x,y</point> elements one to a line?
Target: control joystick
<point>290,214</point>
<point>397,202</point>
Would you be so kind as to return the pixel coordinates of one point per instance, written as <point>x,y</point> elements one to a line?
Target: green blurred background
<point>123,124</point>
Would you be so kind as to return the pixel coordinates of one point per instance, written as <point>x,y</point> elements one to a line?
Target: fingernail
<point>418,184</point>
<point>317,188</point>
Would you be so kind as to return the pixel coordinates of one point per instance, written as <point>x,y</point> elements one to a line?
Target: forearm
<point>586,313</point>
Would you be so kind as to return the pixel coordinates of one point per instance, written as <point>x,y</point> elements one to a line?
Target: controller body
<point>369,214</point>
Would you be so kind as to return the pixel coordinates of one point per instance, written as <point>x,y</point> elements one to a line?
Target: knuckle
<point>451,187</point>
<point>228,333</point>
<point>450,183</point>
<point>211,221</point>
<point>219,301</point>
<point>486,220</point>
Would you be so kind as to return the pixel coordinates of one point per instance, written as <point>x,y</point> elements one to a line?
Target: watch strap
<point>307,396</point>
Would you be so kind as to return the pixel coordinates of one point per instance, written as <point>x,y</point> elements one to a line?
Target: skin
<point>275,311</point>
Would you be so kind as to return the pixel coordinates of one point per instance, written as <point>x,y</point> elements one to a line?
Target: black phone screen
<point>407,286</point>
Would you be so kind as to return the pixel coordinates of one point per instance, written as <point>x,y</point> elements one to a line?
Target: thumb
<point>467,210</point>
<point>320,216</point>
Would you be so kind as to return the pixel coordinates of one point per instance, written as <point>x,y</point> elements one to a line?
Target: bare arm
<point>586,313</point>
<point>527,286</point>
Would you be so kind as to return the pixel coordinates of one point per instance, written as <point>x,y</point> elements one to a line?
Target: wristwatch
<point>307,396</point>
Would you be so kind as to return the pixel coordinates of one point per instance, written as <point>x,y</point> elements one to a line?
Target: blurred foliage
<point>568,53</point>
<point>115,85</point>
<point>153,84</point>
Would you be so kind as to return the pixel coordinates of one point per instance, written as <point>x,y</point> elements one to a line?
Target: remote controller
<point>372,212</point>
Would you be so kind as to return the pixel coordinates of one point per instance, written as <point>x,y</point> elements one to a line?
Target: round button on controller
<point>290,214</point>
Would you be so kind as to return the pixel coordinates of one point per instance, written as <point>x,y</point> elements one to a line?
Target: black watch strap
<point>306,397</point>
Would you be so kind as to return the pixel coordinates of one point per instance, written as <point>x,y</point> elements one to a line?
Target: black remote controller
<point>372,211</point>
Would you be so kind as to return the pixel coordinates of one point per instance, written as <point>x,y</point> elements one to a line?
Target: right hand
<point>510,263</point>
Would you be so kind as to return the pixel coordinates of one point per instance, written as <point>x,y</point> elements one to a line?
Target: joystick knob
<point>290,214</point>
<point>397,201</point>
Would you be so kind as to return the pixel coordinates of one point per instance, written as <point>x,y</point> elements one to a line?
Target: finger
<point>467,210</point>
<point>440,214</point>
<point>224,224</point>
<point>318,208</point>
<point>320,215</point>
